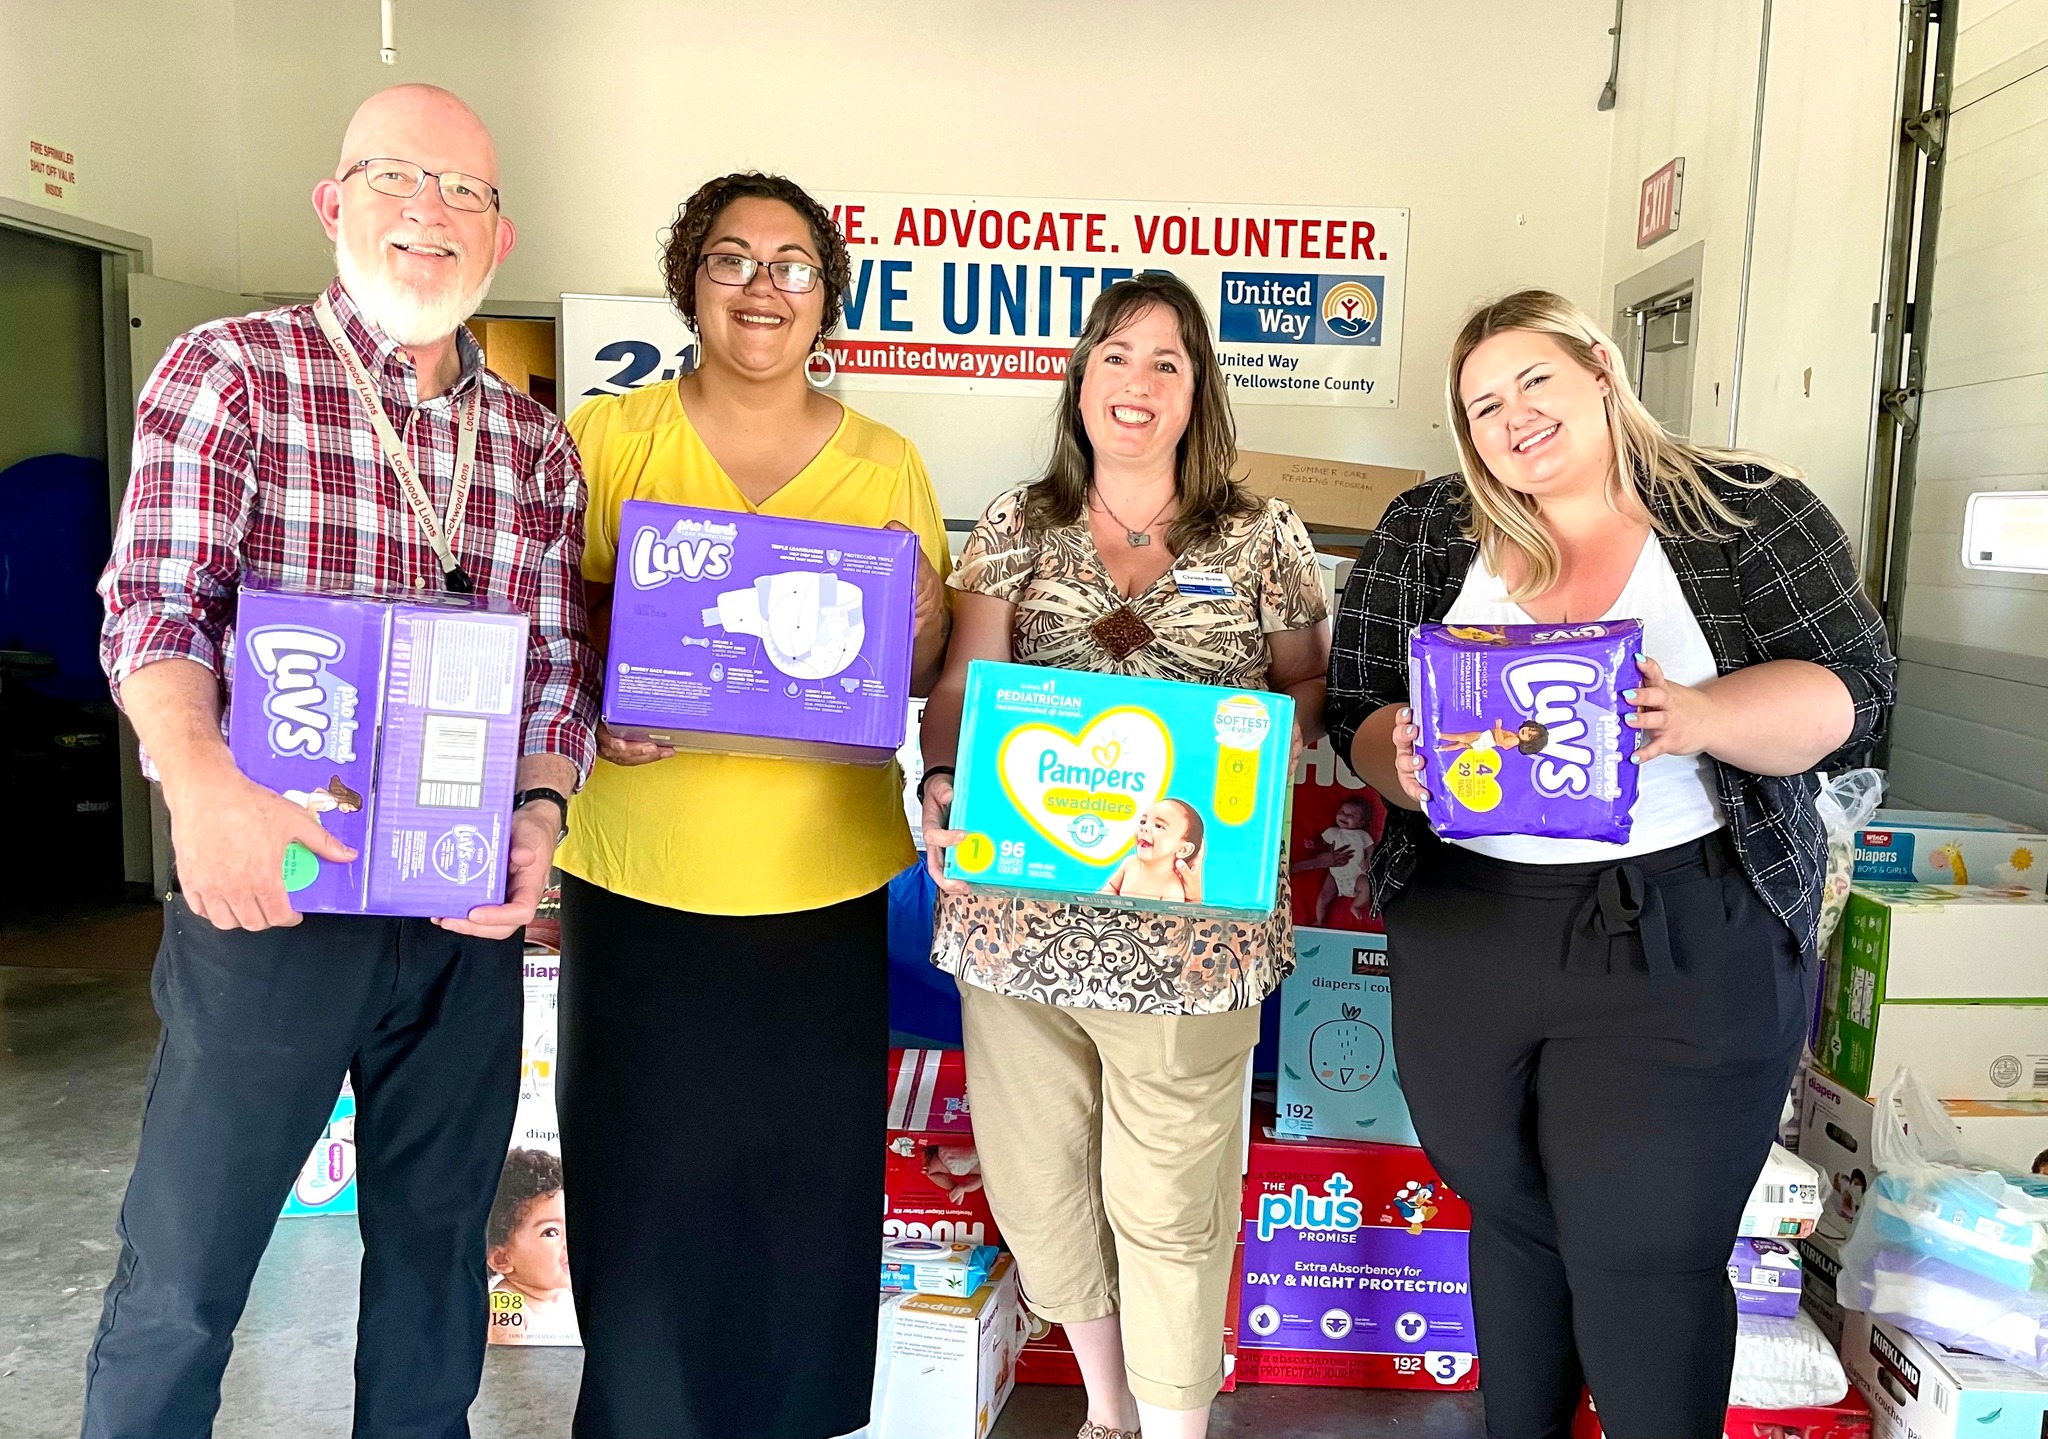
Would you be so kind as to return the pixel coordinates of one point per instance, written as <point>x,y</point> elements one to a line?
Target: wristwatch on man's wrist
<point>526,797</point>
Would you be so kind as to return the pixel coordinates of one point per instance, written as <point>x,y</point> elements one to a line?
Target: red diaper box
<point>1336,823</point>
<point>1048,1358</point>
<point>1849,1419</point>
<point>932,1188</point>
<point>1356,1268</point>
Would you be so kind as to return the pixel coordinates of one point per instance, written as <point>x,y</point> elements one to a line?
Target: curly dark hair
<point>530,1175</point>
<point>683,246</point>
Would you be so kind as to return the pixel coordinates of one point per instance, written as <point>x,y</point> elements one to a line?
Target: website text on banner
<point>959,294</point>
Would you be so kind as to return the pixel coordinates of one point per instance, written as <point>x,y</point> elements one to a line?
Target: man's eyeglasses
<point>792,277</point>
<point>401,179</point>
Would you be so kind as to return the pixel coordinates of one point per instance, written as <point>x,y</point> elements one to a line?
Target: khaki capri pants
<point>1112,1150</point>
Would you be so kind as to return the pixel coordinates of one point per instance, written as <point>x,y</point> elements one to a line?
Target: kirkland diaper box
<point>1356,1270</point>
<point>1820,1269</point>
<point>932,1185</point>
<point>1919,1390</point>
<point>396,724</point>
<point>327,1181</point>
<point>1951,982</point>
<point>945,1365</point>
<point>1935,847</point>
<point>1124,792</point>
<point>1337,1075</point>
<point>751,634</point>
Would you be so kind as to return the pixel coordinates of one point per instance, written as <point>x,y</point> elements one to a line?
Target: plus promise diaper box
<point>396,724</point>
<point>750,634</point>
<point>1131,793</point>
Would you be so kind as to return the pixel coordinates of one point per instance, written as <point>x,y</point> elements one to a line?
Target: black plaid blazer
<point>1784,588</point>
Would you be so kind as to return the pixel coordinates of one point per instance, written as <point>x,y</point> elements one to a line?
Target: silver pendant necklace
<point>1136,539</point>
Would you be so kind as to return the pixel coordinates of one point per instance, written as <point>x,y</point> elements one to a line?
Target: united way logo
<point>1266,308</point>
<point>1350,310</point>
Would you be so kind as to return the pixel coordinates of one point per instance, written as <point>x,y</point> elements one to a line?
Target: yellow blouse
<point>739,834</point>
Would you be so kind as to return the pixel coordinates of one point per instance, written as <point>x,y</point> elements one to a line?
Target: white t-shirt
<point>1675,795</point>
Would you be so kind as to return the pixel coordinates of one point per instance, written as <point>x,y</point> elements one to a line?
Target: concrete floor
<point>73,1048</point>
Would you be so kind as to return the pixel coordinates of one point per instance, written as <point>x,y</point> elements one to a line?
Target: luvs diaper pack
<point>1521,728</point>
<point>752,634</point>
<point>1130,793</point>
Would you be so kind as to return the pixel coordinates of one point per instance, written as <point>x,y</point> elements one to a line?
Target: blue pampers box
<point>1121,792</point>
<point>1337,1075</point>
<point>327,1180</point>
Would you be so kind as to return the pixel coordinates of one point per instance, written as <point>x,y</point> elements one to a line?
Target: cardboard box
<point>1849,1419</point>
<point>1923,1391</point>
<point>1939,847</point>
<point>932,1186</point>
<point>2012,1133</point>
<point>1786,1202</point>
<point>945,1364</point>
<point>327,1182</point>
<point>1336,824</point>
<point>1356,1269</point>
<point>527,1233</point>
<point>1337,1074</point>
<point>1820,1268</point>
<point>397,724</point>
<point>1328,494</point>
<point>1766,1276</point>
<point>1834,1137</point>
<point>1047,1358</point>
<point>1944,980</point>
<point>751,634</point>
<point>1110,790</point>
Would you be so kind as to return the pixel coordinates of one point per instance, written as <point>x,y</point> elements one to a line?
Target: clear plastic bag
<point>1846,804</point>
<point>1946,1245</point>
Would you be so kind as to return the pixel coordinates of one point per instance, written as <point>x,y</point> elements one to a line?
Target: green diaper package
<point>1122,792</point>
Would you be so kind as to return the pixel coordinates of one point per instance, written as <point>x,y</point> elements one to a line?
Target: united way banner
<point>983,295</point>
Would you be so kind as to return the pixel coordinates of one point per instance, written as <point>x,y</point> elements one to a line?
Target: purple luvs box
<point>1766,1274</point>
<point>751,634</point>
<point>1521,728</point>
<point>397,724</point>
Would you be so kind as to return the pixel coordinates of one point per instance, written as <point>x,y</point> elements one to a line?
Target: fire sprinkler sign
<point>53,174</point>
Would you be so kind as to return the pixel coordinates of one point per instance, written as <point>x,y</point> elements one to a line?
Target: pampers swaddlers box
<point>751,634</point>
<point>397,724</point>
<point>1521,728</point>
<point>1130,793</point>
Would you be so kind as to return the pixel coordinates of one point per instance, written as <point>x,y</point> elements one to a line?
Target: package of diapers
<point>1521,728</point>
<point>1122,792</point>
<point>751,634</point>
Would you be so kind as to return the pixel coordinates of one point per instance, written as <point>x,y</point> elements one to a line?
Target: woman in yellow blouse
<point>724,1001</point>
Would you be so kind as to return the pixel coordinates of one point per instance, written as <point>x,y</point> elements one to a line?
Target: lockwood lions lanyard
<point>440,532</point>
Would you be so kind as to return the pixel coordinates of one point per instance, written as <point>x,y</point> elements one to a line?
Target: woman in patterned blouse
<point>1106,1049</point>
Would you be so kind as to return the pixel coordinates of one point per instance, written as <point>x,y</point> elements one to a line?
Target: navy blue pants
<point>258,1031</point>
<point>1595,1056</point>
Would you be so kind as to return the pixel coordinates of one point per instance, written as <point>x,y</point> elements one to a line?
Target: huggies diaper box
<point>1122,792</point>
<point>752,634</point>
<point>1521,728</point>
<point>1936,847</point>
<point>932,1184</point>
<point>1337,1075</point>
<point>396,724</point>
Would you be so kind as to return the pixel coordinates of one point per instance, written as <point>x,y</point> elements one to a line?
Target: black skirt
<point>723,1110</point>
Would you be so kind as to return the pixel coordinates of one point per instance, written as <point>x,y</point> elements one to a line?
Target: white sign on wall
<point>52,173</point>
<point>971,295</point>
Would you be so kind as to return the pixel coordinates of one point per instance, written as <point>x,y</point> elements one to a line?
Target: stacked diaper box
<point>1921,1390</point>
<point>526,1237</point>
<point>1337,1077</point>
<point>946,1364</point>
<point>743,633</point>
<point>1939,847</point>
<point>932,1186</point>
<point>327,1181</point>
<point>1336,824</point>
<point>1356,1267</point>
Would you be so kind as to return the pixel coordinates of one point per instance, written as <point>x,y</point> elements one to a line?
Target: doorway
<point>1653,324</point>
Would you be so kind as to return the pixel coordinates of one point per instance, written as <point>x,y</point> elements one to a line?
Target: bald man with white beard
<point>258,451</point>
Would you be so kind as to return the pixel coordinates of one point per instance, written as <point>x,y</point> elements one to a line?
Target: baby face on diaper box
<point>1521,728</point>
<point>1122,792</point>
<point>752,634</point>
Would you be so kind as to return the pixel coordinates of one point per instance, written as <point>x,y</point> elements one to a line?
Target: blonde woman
<point>1608,1099</point>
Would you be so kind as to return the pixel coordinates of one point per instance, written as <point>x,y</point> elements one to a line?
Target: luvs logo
<point>311,712</point>
<point>689,551</point>
<point>1336,1213</point>
<point>1548,690</point>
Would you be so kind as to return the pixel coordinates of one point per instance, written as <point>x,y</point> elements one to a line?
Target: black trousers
<point>1596,1057</point>
<point>258,1031</point>
<point>724,1109</point>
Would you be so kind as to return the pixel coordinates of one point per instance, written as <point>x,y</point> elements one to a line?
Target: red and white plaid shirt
<point>253,455</point>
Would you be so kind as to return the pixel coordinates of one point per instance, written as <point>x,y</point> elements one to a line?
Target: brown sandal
<point>1103,1431</point>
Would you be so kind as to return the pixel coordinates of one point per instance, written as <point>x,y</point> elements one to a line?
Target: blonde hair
<point>1661,470</point>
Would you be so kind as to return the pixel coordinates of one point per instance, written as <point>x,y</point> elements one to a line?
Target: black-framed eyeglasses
<point>792,277</point>
<point>402,179</point>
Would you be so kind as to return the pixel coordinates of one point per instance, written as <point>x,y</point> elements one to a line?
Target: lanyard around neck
<point>440,532</point>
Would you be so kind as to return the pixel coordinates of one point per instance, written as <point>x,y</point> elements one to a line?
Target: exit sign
<point>1657,215</point>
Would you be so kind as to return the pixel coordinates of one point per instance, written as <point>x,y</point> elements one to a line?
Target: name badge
<point>1204,582</point>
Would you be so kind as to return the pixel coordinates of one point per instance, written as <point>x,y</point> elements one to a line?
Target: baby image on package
<point>1521,728</point>
<point>1124,792</point>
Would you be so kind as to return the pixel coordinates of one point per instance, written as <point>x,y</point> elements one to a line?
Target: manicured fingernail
<point>1635,759</point>
<point>1629,695</point>
<point>1640,657</point>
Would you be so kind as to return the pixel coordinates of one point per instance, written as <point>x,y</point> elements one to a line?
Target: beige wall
<point>143,92</point>
<point>1478,116</point>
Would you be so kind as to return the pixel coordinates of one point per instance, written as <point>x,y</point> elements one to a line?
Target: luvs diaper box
<point>1948,981</point>
<point>1521,728</point>
<point>1938,847</point>
<point>1337,1075</point>
<point>396,724</point>
<point>752,634</point>
<point>1130,793</point>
